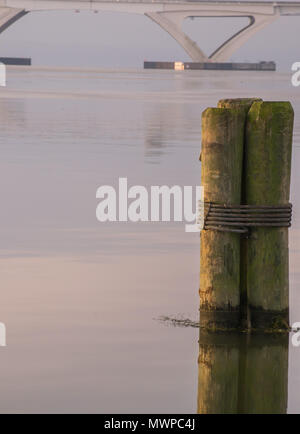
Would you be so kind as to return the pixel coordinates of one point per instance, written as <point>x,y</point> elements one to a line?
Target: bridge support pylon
<point>171,22</point>
<point>8,16</point>
<point>257,23</point>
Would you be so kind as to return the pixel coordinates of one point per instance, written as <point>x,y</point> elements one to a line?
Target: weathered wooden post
<point>267,174</point>
<point>244,105</point>
<point>246,169</point>
<point>221,174</point>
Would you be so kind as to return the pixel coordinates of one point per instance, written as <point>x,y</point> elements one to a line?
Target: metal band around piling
<point>240,218</point>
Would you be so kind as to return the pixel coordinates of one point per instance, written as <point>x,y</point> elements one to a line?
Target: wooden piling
<point>221,173</point>
<point>268,150</point>
<point>244,105</point>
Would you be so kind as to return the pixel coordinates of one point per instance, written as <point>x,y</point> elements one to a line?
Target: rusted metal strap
<point>240,218</point>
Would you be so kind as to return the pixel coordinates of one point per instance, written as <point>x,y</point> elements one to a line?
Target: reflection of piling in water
<point>218,378</point>
<point>264,372</point>
<point>242,374</point>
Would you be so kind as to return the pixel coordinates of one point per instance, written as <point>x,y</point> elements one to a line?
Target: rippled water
<point>80,298</point>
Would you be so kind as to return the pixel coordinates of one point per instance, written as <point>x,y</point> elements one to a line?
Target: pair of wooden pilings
<point>246,159</point>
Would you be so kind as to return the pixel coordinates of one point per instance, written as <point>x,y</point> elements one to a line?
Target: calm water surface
<point>79,298</point>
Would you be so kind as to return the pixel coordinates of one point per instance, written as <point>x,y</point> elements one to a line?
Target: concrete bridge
<point>169,14</point>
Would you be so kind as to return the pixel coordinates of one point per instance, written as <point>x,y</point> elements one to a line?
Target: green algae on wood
<point>268,151</point>
<point>243,104</point>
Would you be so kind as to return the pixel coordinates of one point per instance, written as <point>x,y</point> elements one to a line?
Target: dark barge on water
<point>221,66</point>
<point>22,61</point>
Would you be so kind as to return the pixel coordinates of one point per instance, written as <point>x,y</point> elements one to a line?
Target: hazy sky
<point>126,40</point>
